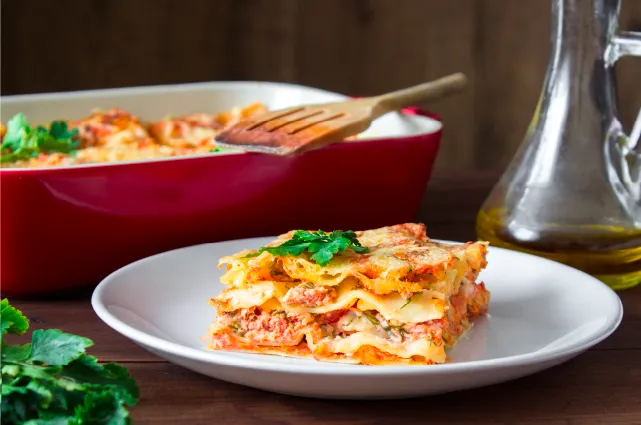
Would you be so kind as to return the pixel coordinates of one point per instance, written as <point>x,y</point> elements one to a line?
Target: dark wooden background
<point>352,46</point>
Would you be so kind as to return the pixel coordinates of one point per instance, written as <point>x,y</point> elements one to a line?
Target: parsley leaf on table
<point>13,321</point>
<point>110,375</point>
<point>22,141</point>
<point>53,381</point>
<point>321,245</point>
<point>101,408</point>
<point>16,352</point>
<point>56,348</point>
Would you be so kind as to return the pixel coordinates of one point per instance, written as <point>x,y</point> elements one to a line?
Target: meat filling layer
<point>308,295</point>
<point>258,327</point>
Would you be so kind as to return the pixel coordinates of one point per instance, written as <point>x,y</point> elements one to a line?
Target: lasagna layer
<point>421,306</point>
<point>400,259</point>
<point>350,334</point>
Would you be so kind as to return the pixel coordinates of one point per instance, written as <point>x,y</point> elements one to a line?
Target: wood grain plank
<point>624,337</point>
<point>176,41</point>
<point>456,197</point>
<point>261,40</point>
<point>451,46</point>
<point>597,387</point>
<point>513,48</point>
<point>328,50</point>
<point>113,44</point>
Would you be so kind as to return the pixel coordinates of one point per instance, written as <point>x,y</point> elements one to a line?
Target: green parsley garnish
<point>323,246</point>
<point>371,318</point>
<point>23,141</point>
<point>218,149</point>
<point>51,380</point>
<point>409,300</point>
<point>400,329</point>
<point>403,333</point>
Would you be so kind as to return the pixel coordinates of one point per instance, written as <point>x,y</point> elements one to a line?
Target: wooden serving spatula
<point>303,128</point>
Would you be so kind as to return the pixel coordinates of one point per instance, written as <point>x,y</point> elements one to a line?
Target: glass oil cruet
<point>572,193</point>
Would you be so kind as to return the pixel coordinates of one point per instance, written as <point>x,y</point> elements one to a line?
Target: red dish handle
<point>418,111</point>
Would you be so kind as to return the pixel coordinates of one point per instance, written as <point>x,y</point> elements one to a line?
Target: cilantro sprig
<point>321,245</point>
<point>52,381</point>
<point>22,141</point>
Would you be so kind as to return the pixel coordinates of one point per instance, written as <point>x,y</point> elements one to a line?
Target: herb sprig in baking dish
<point>22,141</point>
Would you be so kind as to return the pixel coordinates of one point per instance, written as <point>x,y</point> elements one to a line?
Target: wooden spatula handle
<point>421,93</point>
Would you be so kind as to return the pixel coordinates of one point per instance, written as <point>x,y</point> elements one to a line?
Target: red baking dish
<point>69,227</point>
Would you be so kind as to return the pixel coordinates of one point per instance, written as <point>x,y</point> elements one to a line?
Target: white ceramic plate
<point>542,313</point>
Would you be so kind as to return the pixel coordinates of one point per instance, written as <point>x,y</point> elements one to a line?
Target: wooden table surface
<point>601,386</point>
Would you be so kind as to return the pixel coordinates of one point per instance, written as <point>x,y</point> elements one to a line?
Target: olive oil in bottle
<point>611,254</point>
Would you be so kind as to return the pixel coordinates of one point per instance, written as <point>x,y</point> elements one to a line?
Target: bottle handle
<point>634,139</point>
<point>627,43</point>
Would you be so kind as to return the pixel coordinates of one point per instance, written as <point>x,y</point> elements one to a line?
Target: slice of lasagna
<point>198,130</point>
<point>383,296</point>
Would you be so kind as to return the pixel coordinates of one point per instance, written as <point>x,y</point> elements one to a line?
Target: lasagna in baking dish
<point>113,135</point>
<point>199,129</point>
<point>384,296</point>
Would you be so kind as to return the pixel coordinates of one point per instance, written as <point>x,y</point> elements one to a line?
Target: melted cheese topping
<point>400,259</point>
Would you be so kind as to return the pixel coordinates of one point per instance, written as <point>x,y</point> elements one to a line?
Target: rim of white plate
<point>323,368</point>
